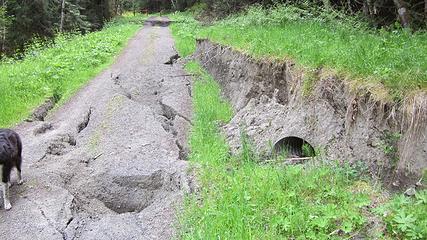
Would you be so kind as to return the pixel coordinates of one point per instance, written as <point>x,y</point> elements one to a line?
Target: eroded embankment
<point>345,123</point>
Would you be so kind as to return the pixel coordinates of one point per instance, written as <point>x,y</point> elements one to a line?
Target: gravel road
<point>110,163</point>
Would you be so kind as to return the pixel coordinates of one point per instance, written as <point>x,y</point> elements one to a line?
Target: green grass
<point>60,69</point>
<point>184,32</point>
<point>241,199</point>
<point>396,59</point>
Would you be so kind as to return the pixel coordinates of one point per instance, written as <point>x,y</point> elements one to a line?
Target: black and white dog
<point>10,157</point>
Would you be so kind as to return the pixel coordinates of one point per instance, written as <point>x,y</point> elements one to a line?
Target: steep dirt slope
<point>109,163</point>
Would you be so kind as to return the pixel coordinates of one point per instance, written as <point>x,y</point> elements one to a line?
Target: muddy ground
<point>110,163</point>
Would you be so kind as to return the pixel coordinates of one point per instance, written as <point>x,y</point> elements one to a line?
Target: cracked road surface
<point>109,164</point>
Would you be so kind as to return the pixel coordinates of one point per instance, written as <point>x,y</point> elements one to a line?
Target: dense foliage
<point>21,21</point>
<point>411,13</point>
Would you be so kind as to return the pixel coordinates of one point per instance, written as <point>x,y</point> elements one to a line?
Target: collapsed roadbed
<point>110,163</point>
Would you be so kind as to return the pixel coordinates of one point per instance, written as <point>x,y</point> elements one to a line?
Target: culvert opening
<point>294,147</point>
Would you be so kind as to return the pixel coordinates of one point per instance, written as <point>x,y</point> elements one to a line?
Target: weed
<point>395,59</point>
<point>319,200</point>
<point>308,150</point>
<point>184,32</point>
<point>389,146</point>
<point>247,154</point>
<point>309,81</point>
<point>406,217</point>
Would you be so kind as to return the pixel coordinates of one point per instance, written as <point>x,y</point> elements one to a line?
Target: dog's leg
<point>6,201</point>
<point>18,172</point>
<point>20,181</point>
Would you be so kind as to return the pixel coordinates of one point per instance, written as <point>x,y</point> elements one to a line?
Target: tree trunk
<point>61,25</point>
<point>3,35</point>
<point>327,4</point>
<point>403,13</point>
<point>173,4</point>
<point>425,12</point>
<point>350,9</point>
<point>368,9</point>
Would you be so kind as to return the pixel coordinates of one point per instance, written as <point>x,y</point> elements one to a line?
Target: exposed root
<point>415,122</point>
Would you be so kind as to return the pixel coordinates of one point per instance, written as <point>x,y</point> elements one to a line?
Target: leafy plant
<point>406,217</point>
<point>308,150</point>
<point>389,146</point>
<point>331,40</point>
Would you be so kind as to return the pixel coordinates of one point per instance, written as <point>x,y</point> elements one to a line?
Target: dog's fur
<point>10,157</point>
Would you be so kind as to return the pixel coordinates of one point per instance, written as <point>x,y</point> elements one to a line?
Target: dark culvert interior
<point>294,147</point>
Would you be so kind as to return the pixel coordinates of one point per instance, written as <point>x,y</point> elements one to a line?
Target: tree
<point>61,26</point>
<point>425,11</point>
<point>4,22</point>
<point>403,13</point>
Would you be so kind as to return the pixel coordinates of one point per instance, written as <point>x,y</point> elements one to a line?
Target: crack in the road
<point>43,128</point>
<point>131,179</point>
<point>85,122</point>
<point>170,113</point>
<point>49,221</point>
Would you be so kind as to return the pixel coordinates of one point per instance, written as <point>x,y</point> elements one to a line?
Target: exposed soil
<point>109,164</point>
<point>343,122</point>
